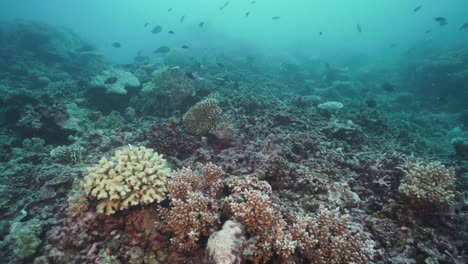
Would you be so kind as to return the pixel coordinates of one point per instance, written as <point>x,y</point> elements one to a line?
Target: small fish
<point>464,26</point>
<point>275,17</point>
<point>174,67</point>
<point>320,33</point>
<point>146,24</point>
<point>185,46</point>
<point>156,29</point>
<point>247,14</point>
<point>201,24</point>
<point>442,21</point>
<point>417,8</point>
<point>428,31</point>
<point>162,49</point>
<point>171,32</point>
<point>111,80</point>
<point>224,6</point>
<point>182,18</point>
<point>253,2</point>
<point>388,87</point>
<point>359,28</point>
<point>222,66</point>
<point>116,45</point>
<point>190,75</point>
<point>169,10</point>
<point>393,45</point>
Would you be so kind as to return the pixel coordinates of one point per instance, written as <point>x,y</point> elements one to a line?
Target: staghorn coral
<point>211,173</point>
<point>203,117</point>
<point>183,182</point>
<point>432,183</point>
<point>133,176</point>
<point>328,239</point>
<point>189,220</point>
<point>257,215</point>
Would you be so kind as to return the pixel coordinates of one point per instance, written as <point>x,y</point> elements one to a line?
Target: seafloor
<point>263,160</point>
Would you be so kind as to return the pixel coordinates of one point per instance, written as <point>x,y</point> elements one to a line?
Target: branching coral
<point>258,217</point>
<point>432,183</point>
<point>190,219</point>
<point>193,212</point>
<point>132,177</point>
<point>203,117</point>
<point>329,240</point>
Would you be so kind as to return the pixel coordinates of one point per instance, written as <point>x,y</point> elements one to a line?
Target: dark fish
<point>253,2</point>
<point>111,80</point>
<point>185,46</point>
<point>417,8</point>
<point>464,26</point>
<point>171,32</point>
<point>116,45</point>
<point>359,28</point>
<point>190,75</point>
<point>442,21</point>
<point>146,24</point>
<point>388,87</point>
<point>393,45</point>
<point>182,18</point>
<point>247,14</point>
<point>162,49</point>
<point>320,33</point>
<point>428,31</point>
<point>170,9</point>
<point>275,17</point>
<point>220,65</point>
<point>224,6</point>
<point>201,24</point>
<point>156,29</point>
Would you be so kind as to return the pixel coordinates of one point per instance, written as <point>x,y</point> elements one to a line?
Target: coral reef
<point>267,166</point>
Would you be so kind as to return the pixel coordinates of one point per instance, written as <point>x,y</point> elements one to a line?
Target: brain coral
<point>131,177</point>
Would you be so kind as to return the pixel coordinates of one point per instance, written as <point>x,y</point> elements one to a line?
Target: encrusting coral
<point>133,176</point>
<point>432,183</point>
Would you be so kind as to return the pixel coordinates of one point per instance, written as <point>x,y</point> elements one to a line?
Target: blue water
<point>296,33</point>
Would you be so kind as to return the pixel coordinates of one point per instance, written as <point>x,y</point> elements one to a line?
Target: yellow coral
<point>133,176</point>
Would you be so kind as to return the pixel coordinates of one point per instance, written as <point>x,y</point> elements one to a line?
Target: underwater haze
<point>297,31</point>
<point>233,132</point>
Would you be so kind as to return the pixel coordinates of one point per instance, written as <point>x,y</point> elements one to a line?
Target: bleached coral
<point>133,176</point>
<point>431,183</point>
<point>115,81</point>
<point>330,105</point>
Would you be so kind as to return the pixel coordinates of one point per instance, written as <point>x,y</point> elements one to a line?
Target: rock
<point>115,81</point>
